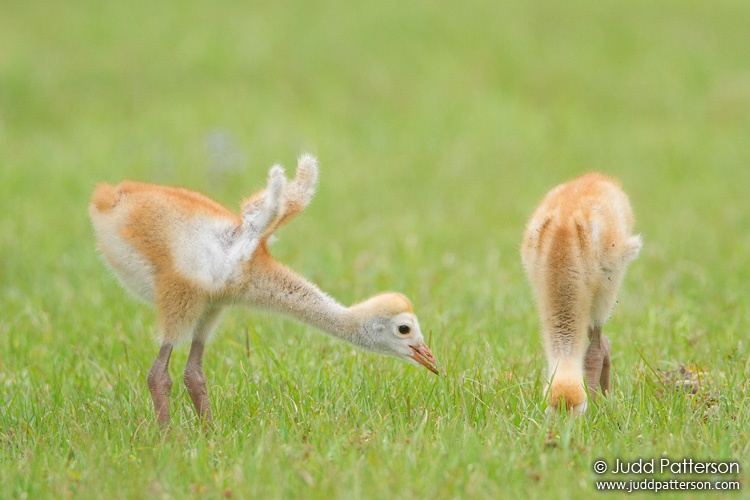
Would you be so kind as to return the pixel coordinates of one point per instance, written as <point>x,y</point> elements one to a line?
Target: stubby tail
<point>104,198</point>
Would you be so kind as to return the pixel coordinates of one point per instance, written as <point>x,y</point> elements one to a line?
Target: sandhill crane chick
<point>191,257</point>
<point>575,251</point>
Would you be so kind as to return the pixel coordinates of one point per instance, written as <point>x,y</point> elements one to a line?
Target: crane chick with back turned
<point>190,257</point>
<point>575,251</point>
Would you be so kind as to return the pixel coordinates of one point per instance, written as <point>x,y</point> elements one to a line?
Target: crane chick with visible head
<point>191,257</point>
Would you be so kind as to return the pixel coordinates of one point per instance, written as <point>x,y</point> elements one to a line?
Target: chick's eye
<point>404,329</point>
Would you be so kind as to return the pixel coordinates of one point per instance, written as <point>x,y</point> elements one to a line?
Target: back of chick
<point>575,251</point>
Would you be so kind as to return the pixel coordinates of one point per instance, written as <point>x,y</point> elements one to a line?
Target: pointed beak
<point>422,355</point>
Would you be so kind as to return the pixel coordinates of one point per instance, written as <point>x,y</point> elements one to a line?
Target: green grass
<point>438,129</point>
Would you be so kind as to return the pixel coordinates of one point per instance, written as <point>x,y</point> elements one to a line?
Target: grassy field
<point>438,129</point>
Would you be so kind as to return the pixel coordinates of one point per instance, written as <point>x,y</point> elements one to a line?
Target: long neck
<point>268,284</point>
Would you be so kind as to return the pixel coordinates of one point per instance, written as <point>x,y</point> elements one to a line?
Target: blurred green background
<point>438,126</point>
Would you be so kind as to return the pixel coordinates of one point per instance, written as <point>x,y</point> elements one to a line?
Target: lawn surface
<point>438,129</point>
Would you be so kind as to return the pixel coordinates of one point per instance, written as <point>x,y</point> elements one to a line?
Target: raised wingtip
<point>307,171</point>
<point>307,160</point>
<point>633,248</point>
